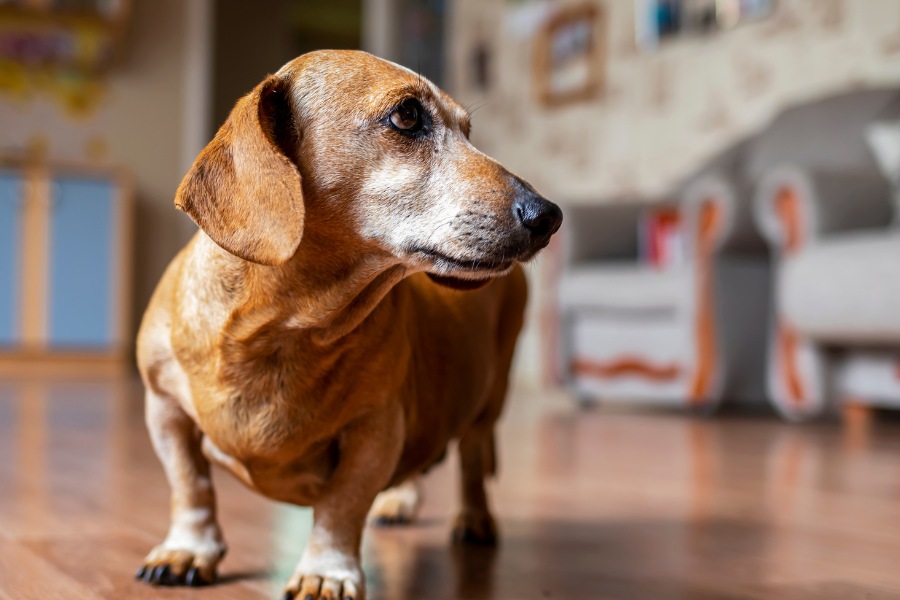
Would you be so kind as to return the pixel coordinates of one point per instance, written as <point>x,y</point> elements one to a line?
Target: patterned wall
<point>665,111</point>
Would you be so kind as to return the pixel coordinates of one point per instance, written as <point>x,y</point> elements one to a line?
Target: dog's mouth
<point>462,273</point>
<point>443,262</point>
<point>456,283</point>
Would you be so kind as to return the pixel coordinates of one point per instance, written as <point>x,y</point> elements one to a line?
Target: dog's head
<point>354,145</point>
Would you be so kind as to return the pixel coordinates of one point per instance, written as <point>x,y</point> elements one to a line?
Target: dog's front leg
<point>194,545</point>
<point>329,568</point>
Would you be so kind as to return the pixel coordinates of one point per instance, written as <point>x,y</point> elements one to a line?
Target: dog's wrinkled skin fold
<point>309,338</point>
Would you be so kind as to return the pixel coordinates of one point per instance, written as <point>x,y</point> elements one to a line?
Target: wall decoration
<point>59,48</point>
<point>659,20</point>
<point>569,55</point>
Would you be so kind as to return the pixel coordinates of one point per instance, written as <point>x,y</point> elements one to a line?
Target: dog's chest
<point>273,445</point>
<point>277,402</point>
<point>267,417</point>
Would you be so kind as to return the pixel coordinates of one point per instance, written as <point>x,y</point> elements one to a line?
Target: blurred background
<point>645,119</point>
<point>729,172</point>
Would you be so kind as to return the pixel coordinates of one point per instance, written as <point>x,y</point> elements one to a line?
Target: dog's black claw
<point>141,572</point>
<point>194,579</point>
<point>309,597</point>
<point>288,595</point>
<point>170,578</point>
<point>158,573</point>
<point>385,521</point>
<point>148,574</point>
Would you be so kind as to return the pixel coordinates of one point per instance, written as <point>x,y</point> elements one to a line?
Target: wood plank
<point>606,505</point>
<point>23,575</point>
<point>102,565</point>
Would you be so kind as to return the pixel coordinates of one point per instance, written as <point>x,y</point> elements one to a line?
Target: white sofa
<point>690,335</point>
<point>823,323</point>
<point>828,213</point>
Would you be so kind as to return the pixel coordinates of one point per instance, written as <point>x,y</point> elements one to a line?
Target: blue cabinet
<point>81,265</point>
<point>12,190</point>
<point>64,267</point>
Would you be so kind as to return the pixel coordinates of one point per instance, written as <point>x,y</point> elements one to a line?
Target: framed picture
<point>659,20</point>
<point>570,56</point>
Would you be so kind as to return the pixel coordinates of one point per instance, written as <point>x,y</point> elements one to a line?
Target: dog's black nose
<point>539,216</point>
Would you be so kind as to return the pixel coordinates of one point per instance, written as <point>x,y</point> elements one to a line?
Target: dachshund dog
<point>349,306</point>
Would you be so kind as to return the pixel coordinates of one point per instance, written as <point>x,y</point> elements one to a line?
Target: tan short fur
<point>306,339</point>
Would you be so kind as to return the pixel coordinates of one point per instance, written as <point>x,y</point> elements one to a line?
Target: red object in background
<point>661,238</point>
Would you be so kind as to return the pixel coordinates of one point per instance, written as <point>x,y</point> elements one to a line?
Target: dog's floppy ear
<point>244,188</point>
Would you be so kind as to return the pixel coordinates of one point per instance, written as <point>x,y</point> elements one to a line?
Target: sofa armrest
<point>718,216</point>
<point>795,207</point>
<point>602,231</point>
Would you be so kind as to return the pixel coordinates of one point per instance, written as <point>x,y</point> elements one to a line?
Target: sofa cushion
<point>626,287</point>
<point>845,289</point>
<point>648,357</point>
<point>870,377</point>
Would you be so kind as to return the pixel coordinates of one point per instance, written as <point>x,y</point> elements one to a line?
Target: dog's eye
<point>407,117</point>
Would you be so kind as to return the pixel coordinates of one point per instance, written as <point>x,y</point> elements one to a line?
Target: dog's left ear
<point>244,189</point>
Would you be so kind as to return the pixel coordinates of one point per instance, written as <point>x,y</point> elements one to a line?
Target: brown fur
<point>301,340</point>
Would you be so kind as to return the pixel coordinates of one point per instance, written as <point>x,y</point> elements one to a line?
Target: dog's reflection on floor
<point>399,567</point>
<point>474,570</point>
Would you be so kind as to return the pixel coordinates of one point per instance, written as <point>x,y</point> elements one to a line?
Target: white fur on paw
<point>397,505</point>
<point>329,575</point>
<point>190,554</point>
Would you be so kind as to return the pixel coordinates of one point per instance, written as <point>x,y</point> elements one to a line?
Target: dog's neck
<point>335,295</point>
<point>327,288</point>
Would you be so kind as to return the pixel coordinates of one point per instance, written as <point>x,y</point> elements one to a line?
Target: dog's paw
<point>396,506</point>
<point>326,575</point>
<point>166,566</point>
<point>317,587</point>
<point>475,527</point>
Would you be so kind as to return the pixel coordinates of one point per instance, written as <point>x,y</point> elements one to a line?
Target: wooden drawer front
<point>81,314</point>
<point>11,202</point>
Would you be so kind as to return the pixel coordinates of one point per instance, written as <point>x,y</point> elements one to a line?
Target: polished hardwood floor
<point>593,505</point>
